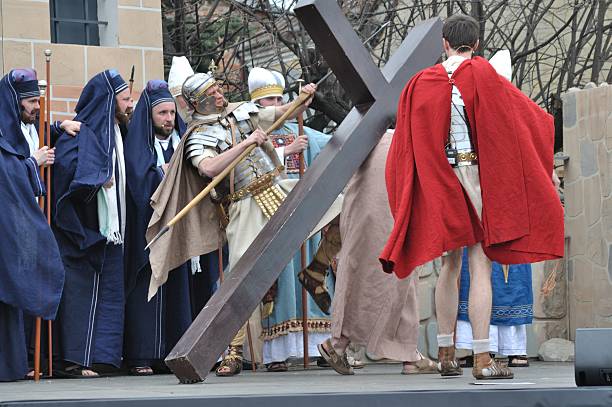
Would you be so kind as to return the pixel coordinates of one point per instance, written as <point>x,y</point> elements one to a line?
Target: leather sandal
<point>339,363</point>
<point>518,361</point>
<point>491,371</point>
<point>448,365</point>
<point>277,367</point>
<point>421,366</point>
<point>316,289</point>
<point>231,365</point>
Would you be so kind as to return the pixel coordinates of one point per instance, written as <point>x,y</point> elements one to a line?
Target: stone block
<point>581,316</point>
<point>582,281</point>
<point>604,164</point>
<point>596,249</point>
<point>545,330</point>
<point>602,293</point>
<point>66,92</point>
<point>121,59</point>
<point>67,63</point>
<point>571,146</point>
<point>609,131</point>
<point>610,263</point>
<point>592,200</point>
<point>129,3</point>
<point>598,114</point>
<point>432,339</point>
<point>582,105</point>
<point>576,229</point>
<point>154,65</point>
<point>557,350</point>
<point>16,55</point>
<point>152,4</point>
<point>588,158</point>
<point>426,300</point>
<point>569,109</point>
<point>26,20</point>
<point>553,305</point>
<point>574,198</point>
<point>606,215</point>
<point>140,28</point>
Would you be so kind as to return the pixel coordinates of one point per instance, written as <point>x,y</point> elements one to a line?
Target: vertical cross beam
<point>375,94</point>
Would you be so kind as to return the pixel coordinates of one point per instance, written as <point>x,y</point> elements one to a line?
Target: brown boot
<point>485,368</point>
<point>448,365</point>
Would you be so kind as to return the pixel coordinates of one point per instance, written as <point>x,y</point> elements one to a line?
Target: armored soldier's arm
<point>280,110</point>
<point>209,151</point>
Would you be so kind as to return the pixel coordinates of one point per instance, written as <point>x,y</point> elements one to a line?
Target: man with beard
<point>89,183</point>
<point>152,328</point>
<point>31,272</point>
<point>23,85</point>
<point>217,136</point>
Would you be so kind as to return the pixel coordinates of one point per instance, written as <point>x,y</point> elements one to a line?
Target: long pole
<point>300,120</point>
<point>48,198</point>
<point>41,128</point>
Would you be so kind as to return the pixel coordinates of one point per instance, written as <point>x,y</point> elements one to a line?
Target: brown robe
<point>370,307</point>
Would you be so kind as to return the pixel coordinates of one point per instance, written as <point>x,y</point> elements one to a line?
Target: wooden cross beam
<point>375,94</point>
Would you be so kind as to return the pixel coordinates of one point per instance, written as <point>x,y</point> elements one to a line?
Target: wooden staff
<point>300,120</point>
<point>48,197</point>
<point>302,97</point>
<point>41,128</point>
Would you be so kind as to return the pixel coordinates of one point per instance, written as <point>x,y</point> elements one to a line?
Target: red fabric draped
<point>522,219</point>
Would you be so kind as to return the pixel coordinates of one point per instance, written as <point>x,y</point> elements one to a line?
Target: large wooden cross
<point>375,94</point>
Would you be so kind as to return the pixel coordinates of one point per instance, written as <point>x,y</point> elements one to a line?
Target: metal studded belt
<point>466,158</point>
<point>266,193</point>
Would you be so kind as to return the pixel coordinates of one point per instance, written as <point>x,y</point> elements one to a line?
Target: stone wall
<point>26,33</point>
<point>587,140</point>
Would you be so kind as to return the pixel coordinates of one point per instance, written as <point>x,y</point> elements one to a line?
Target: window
<point>75,22</point>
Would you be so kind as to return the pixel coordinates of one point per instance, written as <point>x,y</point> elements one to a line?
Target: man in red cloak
<point>470,166</point>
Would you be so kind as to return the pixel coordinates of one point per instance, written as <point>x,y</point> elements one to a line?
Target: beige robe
<point>370,307</point>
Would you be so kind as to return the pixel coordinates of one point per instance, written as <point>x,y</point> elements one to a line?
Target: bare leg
<point>480,296</point>
<point>447,292</point>
<point>447,302</point>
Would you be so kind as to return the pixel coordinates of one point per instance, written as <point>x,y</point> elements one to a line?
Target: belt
<point>257,185</point>
<point>466,158</point>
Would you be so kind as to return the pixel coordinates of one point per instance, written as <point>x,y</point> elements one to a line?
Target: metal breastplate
<point>255,165</point>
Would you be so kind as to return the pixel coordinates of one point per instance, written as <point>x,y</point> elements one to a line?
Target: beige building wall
<point>587,140</point>
<point>25,30</point>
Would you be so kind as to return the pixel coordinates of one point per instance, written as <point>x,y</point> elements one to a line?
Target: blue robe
<point>90,317</point>
<point>31,271</point>
<point>286,317</point>
<point>153,327</point>
<point>512,301</point>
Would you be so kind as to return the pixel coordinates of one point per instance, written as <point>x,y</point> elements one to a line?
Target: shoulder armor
<point>244,111</point>
<point>203,137</point>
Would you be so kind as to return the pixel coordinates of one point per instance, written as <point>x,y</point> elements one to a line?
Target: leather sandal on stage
<point>314,283</point>
<point>277,367</point>
<point>448,365</point>
<point>490,370</point>
<point>77,372</point>
<point>231,365</point>
<point>339,363</point>
<point>421,366</point>
<point>518,361</point>
<point>141,371</point>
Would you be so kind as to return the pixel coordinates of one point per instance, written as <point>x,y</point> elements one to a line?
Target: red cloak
<point>522,217</point>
